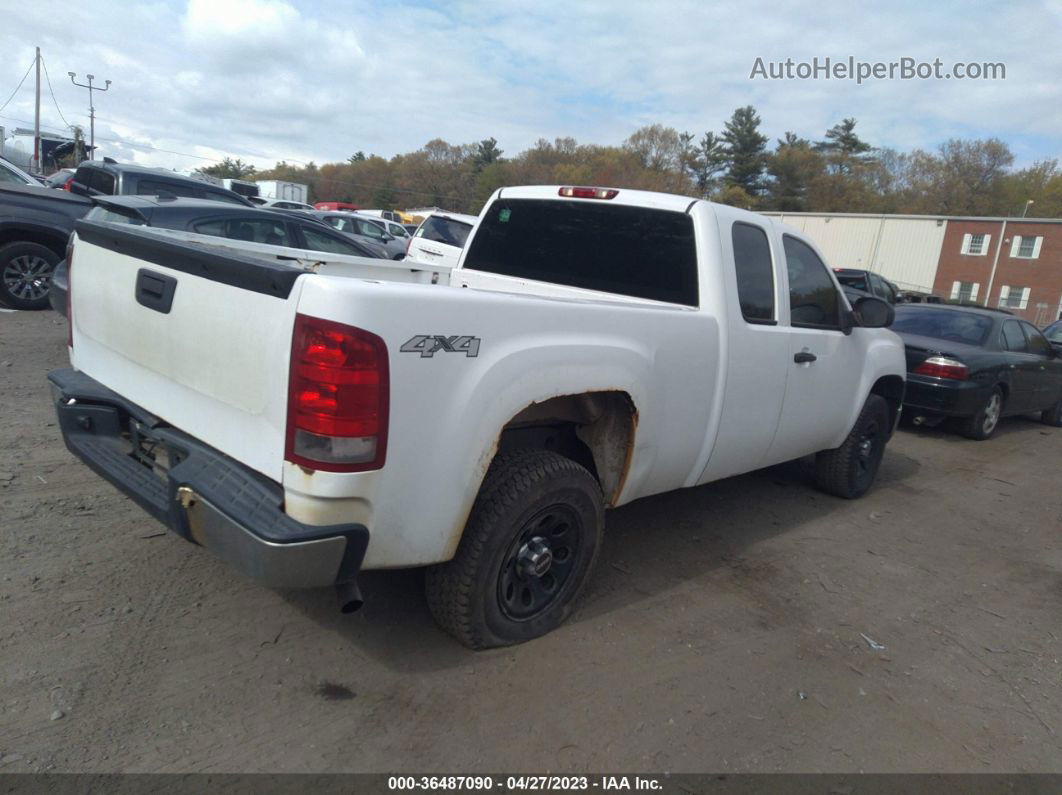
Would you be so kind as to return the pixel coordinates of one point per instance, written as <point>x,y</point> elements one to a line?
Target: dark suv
<point>102,178</point>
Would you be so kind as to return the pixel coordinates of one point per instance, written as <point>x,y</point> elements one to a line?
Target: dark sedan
<point>204,217</point>
<point>978,365</point>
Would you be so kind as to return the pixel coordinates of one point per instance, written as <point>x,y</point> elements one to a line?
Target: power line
<point>49,79</point>
<point>20,82</point>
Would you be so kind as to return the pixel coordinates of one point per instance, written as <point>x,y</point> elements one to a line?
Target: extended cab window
<point>813,300</point>
<point>755,274</point>
<point>615,248</point>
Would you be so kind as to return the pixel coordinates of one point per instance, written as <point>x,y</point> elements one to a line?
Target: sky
<point>269,80</point>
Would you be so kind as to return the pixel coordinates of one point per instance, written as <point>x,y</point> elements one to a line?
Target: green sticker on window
<point>503,216</point>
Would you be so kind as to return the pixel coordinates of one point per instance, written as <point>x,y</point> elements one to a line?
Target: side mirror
<point>872,312</point>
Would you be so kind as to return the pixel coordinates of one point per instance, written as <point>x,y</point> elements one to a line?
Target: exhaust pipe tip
<point>350,599</point>
<point>919,420</point>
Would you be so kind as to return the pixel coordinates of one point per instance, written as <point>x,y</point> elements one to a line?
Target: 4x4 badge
<point>428,344</point>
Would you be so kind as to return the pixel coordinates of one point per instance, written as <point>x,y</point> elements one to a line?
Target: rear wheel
<point>850,470</point>
<point>527,550</point>
<point>1053,415</point>
<point>984,423</point>
<point>26,275</point>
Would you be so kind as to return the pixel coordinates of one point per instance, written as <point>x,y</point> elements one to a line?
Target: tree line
<point>839,172</point>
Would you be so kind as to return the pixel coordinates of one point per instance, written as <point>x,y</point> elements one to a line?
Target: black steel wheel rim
<point>867,449</point>
<point>538,566</point>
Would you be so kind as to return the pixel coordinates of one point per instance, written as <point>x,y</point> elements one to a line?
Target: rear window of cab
<point>612,248</point>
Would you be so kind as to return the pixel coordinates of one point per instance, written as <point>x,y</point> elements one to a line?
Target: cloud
<point>269,79</point>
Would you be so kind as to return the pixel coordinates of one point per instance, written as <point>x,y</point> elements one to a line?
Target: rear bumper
<point>943,396</point>
<point>199,493</point>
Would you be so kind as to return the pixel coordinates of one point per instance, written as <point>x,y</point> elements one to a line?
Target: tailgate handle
<point>154,290</point>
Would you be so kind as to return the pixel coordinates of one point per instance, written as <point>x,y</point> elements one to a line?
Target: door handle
<point>805,357</point>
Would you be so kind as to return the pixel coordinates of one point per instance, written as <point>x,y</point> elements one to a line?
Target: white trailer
<point>279,189</point>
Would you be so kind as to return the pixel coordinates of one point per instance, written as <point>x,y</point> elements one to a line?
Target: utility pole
<point>92,109</point>
<point>35,165</point>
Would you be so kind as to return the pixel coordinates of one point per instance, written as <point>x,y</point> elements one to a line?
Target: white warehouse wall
<point>904,249</point>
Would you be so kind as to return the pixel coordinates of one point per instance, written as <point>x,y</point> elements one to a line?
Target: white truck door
<point>757,348</point>
<point>824,364</point>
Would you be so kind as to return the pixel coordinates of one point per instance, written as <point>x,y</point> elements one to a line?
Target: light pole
<point>1027,207</point>
<point>92,109</point>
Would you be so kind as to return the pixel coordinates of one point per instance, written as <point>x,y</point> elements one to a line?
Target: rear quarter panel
<point>448,410</point>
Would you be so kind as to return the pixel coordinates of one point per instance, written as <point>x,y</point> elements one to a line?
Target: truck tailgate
<point>198,336</point>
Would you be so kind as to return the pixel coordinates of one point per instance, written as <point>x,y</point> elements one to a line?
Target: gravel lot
<point>728,628</point>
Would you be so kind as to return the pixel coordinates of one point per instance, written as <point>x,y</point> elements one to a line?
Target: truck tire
<point>1053,415</point>
<point>26,275</point>
<point>984,423</point>
<point>528,548</point>
<point>849,470</point>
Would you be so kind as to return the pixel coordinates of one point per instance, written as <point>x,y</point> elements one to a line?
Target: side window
<point>317,240</point>
<point>398,230</point>
<point>369,229</point>
<point>878,287</point>
<point>342,224</point>
<point>813,301</point>
<point>755,274</point>
<point>1013,339</point>
<point>1037,342</point>
<point>253,230</point>
<point>101,181</point>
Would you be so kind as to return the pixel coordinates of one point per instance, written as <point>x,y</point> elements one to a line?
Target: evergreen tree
<point>746,151</point>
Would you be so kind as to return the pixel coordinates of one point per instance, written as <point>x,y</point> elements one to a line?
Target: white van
<point>439,240</point>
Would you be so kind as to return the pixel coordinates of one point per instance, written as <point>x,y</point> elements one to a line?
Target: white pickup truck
<point>592,346</point>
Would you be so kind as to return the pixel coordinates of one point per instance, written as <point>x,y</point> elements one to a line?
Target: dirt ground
<point>732,627</point>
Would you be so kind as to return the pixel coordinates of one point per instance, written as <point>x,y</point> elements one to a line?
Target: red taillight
<point>69,283</point>
<point>337,397</point>
<point>943,367</point>
<point>588,193</point>
<point>66,185</point>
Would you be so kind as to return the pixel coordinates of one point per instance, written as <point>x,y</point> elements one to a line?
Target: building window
<point>1026,247</point>
<point>964,292</point>
<point>1013,297</point>
<point>975,245</point>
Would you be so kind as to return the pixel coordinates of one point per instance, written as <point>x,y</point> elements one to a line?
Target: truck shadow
<point>948,430</point>
<point>651,546</point>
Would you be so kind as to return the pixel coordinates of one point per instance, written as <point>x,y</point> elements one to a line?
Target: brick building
<point>1015,263</point>
<point>1012,263</point>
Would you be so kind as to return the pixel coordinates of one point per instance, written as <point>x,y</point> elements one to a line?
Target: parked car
<point>440,238</point>
<point>280,204</point>
<point>615,344</point>
<point>1054,333</point>
<point>977,365</point>
<point>254,225</point>
<point>410,228</point>
<point>390,215</point>
<point>870,283</point>
<point>393,228</point>
<point>35,225</point>
<point>107,178</point>
<point>364,230</point>
<point>10,174</point>
<point>60,179</point>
